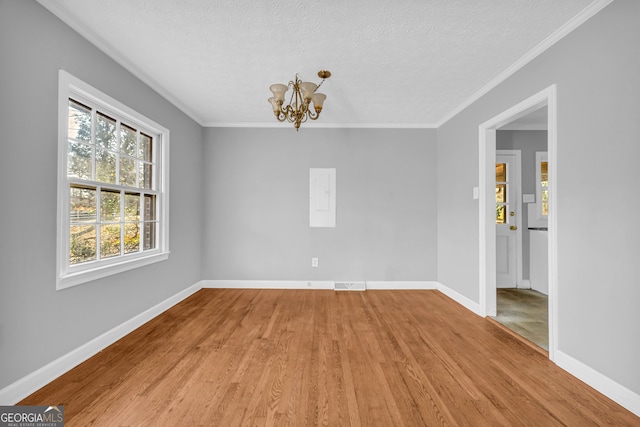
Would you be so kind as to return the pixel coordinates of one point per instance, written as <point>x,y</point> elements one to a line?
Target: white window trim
<point>70,87</point>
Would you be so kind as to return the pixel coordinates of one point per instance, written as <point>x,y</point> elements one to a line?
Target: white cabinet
<point>538,260</point>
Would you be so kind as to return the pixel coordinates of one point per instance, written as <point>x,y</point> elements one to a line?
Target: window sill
<point>68,280</point>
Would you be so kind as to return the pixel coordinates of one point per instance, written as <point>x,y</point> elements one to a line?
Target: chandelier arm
<point>288,113</point>
<point>304,111</point>
<point>313,116</point>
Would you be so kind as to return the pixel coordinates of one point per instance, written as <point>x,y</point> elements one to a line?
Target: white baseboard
<point>460,299</point>
<point>605,385</point>
<point>267,284</point>
<point>27,385</point>
<point>401,285</point>
<point>313,284</point>
<point>525,284</point>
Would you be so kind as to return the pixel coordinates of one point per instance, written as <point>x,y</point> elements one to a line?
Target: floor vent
<point>349,286</point>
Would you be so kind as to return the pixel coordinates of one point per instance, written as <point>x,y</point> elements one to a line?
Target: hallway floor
<point>525,312</point>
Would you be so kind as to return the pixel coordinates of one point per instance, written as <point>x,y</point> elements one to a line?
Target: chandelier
<point>299,108</point>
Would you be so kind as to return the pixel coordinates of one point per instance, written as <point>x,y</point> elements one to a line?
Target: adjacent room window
<point>542,180</point>
<point>502,202</point>
<point>112,186</point>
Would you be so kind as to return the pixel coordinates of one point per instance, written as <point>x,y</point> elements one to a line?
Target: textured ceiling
<point>396,63</point>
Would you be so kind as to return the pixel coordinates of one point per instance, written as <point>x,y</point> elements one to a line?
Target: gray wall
<point>528,142</point>
<point>596,70</point>
<point>257,204</point>
<point>37,323</point>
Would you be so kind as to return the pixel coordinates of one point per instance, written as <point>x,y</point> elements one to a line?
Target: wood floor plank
<point>228,357</point>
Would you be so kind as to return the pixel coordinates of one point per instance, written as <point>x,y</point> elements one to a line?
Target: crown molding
<point>87,33</point>
<point>265,125</point>
<point>552,39</point>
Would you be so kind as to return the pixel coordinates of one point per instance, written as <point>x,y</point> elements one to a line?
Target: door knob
<point>513,227</point>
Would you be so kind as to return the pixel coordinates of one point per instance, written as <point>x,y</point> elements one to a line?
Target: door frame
<point>517,155</point>
<point>487,235</point>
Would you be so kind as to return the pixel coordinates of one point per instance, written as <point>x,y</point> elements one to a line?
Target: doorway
<point>508,219</point>
<point>487,208</point>
<point>521,227</point>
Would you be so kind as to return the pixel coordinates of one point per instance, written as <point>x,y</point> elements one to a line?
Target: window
<point>501,193</point>
<point>542,185</point>
<point>112,186</point>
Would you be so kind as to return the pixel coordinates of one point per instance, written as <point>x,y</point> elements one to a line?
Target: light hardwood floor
<point>281,357</point>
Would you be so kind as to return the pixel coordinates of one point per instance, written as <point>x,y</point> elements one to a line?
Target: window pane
<point>501,172</point>
<point>132,207</point>
<point>127,171</point>
<point>106,132</point>
<point>501,193</point>
<point>146,173</point>
<point>131,237</point>
<point>149,235</point>
<point>82,243</point>
<point>149,207</point>
<point>149,227</point>
<point>82,203</point>
<point>145,148</point>
<point>109,206</point>
<point>79,160</point>
<point>501,213</point>
<point>79,121</point>
<point>105,166</point>
<point>109,240</point>
<point>127,140</point>
<point>544,174</point>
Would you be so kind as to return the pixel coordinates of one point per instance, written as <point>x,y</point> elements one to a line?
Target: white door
<point>508,218</point>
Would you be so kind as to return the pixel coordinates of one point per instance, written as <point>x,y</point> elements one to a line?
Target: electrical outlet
<point>314,262</point>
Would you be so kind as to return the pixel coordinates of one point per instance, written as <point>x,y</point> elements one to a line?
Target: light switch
<point>476,193</point>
